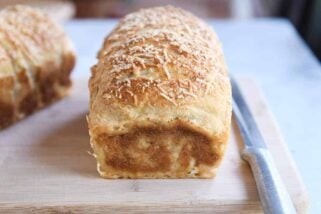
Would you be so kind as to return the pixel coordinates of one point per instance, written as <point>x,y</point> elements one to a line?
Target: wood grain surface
<point>45,166</point>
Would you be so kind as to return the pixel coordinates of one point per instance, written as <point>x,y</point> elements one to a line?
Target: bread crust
<point>161,69</point>
<point>41,58</point>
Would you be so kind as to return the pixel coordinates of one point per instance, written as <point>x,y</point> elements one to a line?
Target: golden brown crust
<point>160,69</point>
<point>40,56</point>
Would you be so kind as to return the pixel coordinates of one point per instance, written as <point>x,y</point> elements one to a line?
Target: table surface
<point>271,52</point>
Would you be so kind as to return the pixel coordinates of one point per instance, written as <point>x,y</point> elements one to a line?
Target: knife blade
<point>272,192</point>
<point>242,111</point>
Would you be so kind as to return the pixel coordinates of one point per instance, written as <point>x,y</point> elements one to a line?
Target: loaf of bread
<point>160,98</point>
<point>36,59</point>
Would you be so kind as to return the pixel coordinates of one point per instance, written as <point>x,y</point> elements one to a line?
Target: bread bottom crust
<point>159,152</point>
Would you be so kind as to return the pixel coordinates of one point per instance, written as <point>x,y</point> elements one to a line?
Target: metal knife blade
<point>241,110</point>
<point>273,194</point>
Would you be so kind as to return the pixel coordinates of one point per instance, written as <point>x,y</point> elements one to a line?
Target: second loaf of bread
<point>36,59</point>
<point>160,98</point>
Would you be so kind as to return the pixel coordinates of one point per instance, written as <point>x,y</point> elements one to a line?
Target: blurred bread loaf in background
<point>36,59</point>
<point>58,10</point>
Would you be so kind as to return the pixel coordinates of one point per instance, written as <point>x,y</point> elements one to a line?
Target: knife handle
<point>273,194</point>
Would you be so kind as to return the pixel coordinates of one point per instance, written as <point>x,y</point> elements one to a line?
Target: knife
<point>273,194</point>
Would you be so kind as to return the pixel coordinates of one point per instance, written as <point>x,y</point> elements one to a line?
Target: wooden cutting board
<point>45,167</point>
